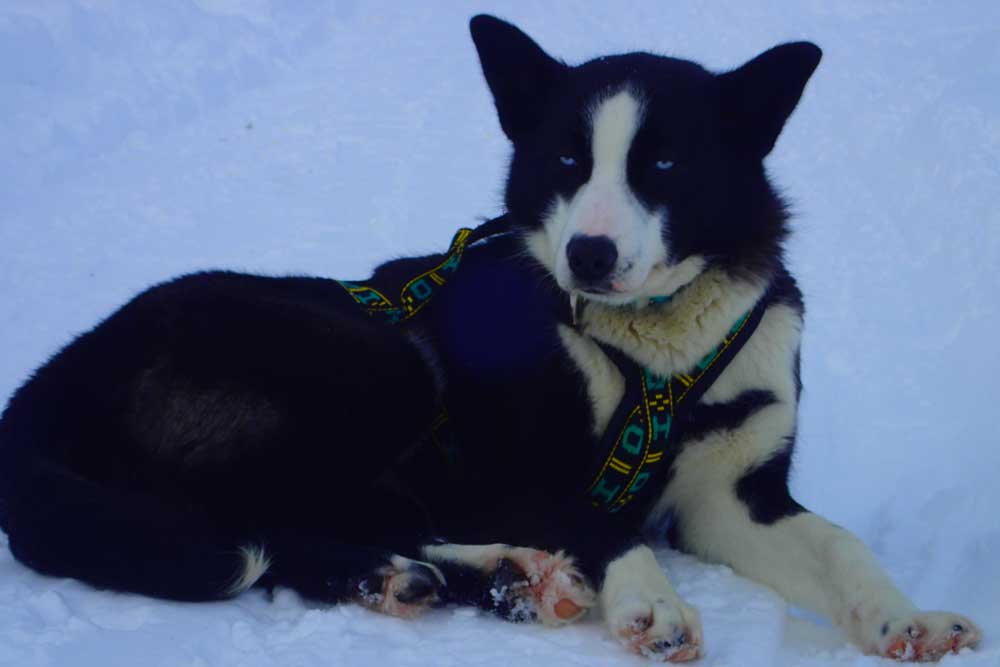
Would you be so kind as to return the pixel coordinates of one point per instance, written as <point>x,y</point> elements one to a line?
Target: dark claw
<point>643,624</point>
<point>680,639</point>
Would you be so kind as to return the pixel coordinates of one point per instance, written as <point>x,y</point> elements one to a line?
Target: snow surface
<point>139,140</point>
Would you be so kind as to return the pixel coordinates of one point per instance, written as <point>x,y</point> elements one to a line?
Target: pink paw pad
<point>548,585</point>
<point>928,637</point>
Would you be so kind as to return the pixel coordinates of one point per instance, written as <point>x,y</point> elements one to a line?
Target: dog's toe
<point>657,628</point>
<point>532,585</point>
<point>927,636</point>
<point>404,588</point>
<point>417,584</point>
<point>557,591</point>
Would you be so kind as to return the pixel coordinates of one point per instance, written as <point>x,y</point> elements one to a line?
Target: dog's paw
<point>926,636</point>
<point>403,588</point>
<point>529,585</point>
<point>662,628</point>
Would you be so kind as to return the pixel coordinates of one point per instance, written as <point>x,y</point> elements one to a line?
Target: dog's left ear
<point>520,74</point>
<point>758,97</point>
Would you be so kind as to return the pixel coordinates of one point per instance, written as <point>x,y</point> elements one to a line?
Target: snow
<point>141,140</point>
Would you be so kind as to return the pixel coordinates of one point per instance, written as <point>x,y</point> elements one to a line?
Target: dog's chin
<point>612,298</point>
<point>662,281</point>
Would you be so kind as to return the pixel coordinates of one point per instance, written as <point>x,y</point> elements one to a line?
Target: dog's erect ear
<point>520,74</point>
<point>758,97</point>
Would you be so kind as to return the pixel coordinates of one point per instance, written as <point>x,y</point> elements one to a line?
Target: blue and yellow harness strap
<point>640,428</point>
<point>417,291</point>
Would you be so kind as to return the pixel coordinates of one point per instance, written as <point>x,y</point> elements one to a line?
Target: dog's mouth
<point>661,282</point>
<point>608,295</point>
<point>621,287</point>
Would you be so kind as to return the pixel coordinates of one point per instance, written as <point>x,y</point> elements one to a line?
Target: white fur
<point>664,280</point>
<point>480,556</point>
<point>606,206</point>
<point>767,360</point>
<point>641,607</point>
<point>255,565</point>
<point>634,575</point>
<point>672,337</point>
<point>402,564</point>
<point>808,560</point>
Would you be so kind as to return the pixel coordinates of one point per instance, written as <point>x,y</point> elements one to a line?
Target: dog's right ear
<point>519,73</point>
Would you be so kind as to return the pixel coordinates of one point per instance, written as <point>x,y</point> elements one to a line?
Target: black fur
<point>764,489</point>
<point>222,410</point>
<point>725,416</point>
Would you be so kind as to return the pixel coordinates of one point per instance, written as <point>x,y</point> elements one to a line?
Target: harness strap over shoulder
<point>640,428</point>
<point>417,291</point>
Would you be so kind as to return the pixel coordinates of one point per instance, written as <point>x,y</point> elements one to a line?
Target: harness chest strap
<point>640,428</point>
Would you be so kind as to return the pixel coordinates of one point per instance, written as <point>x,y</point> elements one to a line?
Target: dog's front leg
<point>640,606</point>
<point>820,566</point>
<point>644,612</point>
<point>742,515</point>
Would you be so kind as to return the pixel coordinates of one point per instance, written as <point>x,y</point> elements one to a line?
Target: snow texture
<point>139,140</point>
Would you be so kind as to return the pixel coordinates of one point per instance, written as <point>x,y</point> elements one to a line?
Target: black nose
<point>591,258</point>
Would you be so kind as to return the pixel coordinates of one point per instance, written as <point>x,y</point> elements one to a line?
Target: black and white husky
<point>477,440</point>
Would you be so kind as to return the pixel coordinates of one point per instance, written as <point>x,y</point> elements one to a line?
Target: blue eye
<point>664,165</point>
<point>567,160</point>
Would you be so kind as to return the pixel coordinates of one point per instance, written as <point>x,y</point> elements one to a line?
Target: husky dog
<point>616,358</point>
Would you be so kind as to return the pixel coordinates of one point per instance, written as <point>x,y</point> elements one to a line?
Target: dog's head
<point>633,173</point>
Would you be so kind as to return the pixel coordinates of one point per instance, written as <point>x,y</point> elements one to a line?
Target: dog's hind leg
<point>518,584</point>
<point>66,526</point>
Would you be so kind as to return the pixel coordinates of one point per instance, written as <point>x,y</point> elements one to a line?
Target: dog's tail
<point>62,524</point>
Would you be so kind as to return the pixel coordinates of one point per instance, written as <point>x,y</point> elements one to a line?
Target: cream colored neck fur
<point>672,337</point>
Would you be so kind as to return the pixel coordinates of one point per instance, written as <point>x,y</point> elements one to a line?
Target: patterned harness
<point>640,429</point>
